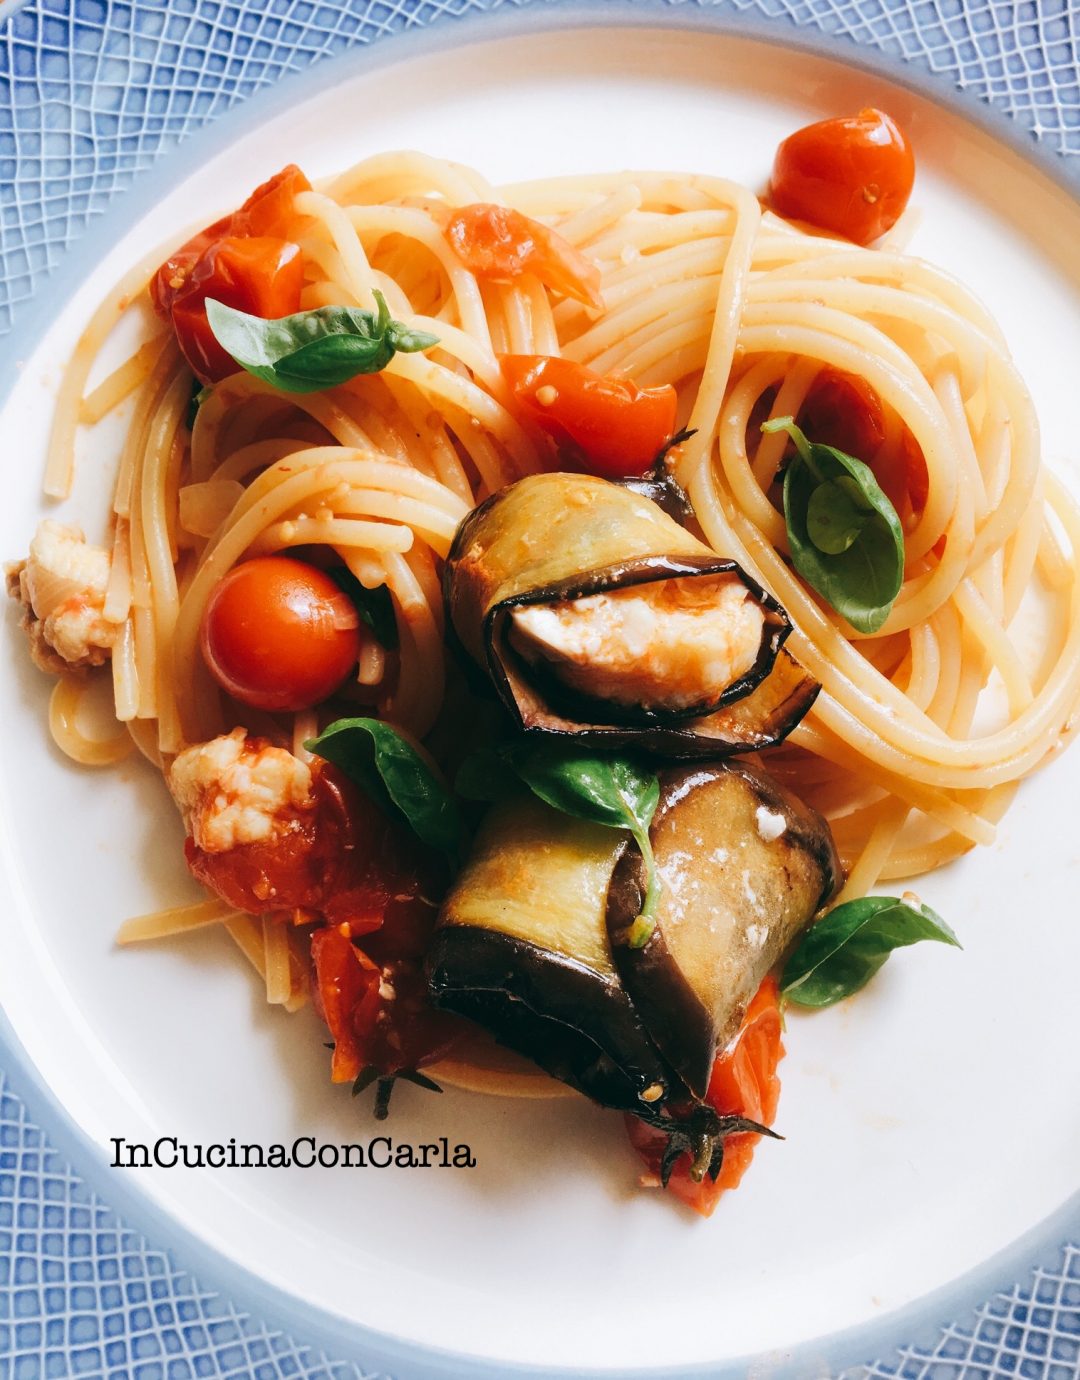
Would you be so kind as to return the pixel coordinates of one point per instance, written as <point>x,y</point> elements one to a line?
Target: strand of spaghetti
<point>246,933</point>
<point>276,961</point>
<point>386,176</point>
<point>314,531</point>
<point>159,380</point>
<point>60,459</point>
<point>160,924</point>
<point>65,704</point>
<point>875,854</point>
<point>823,739</point>
<point>121,383</point>
<point>418,226</point>
<point>125,674</point>
<point>416,700</point>
<point>590,223</point>
<point>433,524</point>
<point>725,331</point>
<point>431,438</point>
<point>157,547</point>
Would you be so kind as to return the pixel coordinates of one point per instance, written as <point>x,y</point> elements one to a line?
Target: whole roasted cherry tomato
<point>851,175</point>
<point>279,634</point>
<point>245,260</point>
<point>743,1083</point>
<point>500,243</point>
<point>606,425</point>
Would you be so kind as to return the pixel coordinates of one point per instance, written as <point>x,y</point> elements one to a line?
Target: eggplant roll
<point>744,866</point>
<point>597,614</point>
<point>531,940</point>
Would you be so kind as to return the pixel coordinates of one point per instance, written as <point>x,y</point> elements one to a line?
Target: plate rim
<point>920,1322</point>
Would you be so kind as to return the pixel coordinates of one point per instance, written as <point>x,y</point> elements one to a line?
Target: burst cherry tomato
<point>851,175</point>
<point>279,634</point>
<point>244,260</point>
<point>743,1083</point>
<point>607,425</point>
<point>500,243</point>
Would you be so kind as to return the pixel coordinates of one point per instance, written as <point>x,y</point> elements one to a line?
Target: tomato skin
<point>743,1083</point>
<point>501,244</point>
<point>299,868</point>
<point>244,260</point>
<point>851,175</point>
<point>278,634</point>
<point>346,989</point>
<point>608,425</point>
<point>268,210</point>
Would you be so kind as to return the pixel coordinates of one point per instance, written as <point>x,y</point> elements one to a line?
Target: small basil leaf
<point>374,606</point>
<point>199,395</point>
<point>861,579</point>
<point>312,350</point>
<point>836,515</point>
<point>843,951</point>
<point>604,790</point>
<point>390,770</point>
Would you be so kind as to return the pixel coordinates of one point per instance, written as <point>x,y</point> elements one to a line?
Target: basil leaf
<point>487,774</point>
<point>845,536</point>
<point>611,791</point>
<point>199,395</point>
<point>389,769</point>
<point>312,350</point>
<point>374,606</point>
<point>843,951</point>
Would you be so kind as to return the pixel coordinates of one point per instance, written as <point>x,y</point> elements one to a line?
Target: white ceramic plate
<point>927,1127</point>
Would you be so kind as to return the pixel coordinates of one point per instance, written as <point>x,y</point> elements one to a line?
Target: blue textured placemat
<point>91,94</point>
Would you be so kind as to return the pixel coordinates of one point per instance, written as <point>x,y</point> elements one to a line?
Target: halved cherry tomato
<point>605,425</point>
<point>346,989</point>
<point>743,1083</point>
<point>244,260</point>
<point>260,275</point>
<point>279,634</point>
<point>851,175</point>
<point>500,243</point>
<point>269,208</point>
<point>315,852</point>
<point>843,411</point>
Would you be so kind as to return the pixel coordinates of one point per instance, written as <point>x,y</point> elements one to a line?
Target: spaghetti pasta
<point>923,728</point>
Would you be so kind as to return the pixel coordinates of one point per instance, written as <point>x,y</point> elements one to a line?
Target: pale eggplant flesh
<point>552,541</point>
<point>522,949</point>
<point>744,867</point>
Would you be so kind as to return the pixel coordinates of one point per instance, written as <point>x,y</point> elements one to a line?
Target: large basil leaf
<point>312,350</point>
<point>612,791</point>
<point>390,770</point>
<point>843,951</point>
<point>845,536</point>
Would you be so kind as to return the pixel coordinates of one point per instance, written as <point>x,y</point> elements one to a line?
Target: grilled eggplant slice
<point>744,866</point>
<point>598,615</point>
<point>522,948</point>
<point>532,939</point>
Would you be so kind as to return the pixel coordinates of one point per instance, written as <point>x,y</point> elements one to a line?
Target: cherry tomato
<point>347,997</point>
<point>259,275</point>
<point>743,1083</point>
<point>269,209</point>
<point>500,243</point>
<point>607,424</point>
<point>279,634</point>
<point>851,175</point>
<point>244,260</point>
<point>305,863</point>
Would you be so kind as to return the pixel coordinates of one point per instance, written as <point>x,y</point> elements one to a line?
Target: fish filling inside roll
<point>670,644</point>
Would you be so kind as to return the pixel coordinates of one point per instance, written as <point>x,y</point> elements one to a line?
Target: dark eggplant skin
<point>522,949</point>
<point>745,866</point>
<point>552,537</point>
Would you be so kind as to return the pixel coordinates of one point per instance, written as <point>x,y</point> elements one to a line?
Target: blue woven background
<point>91,94</point>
